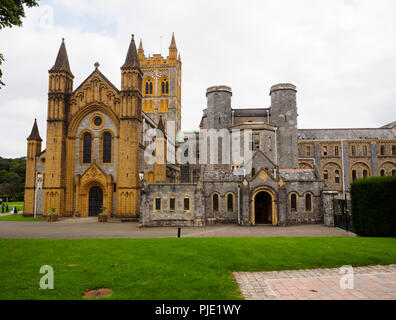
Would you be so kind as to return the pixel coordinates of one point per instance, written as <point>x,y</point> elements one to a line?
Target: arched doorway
<point>263,208</point>
<point>95,201</point>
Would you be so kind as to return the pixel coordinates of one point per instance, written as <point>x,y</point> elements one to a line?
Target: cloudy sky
<point>341,55</point>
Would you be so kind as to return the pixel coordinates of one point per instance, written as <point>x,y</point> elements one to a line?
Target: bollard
<point>178,232</point>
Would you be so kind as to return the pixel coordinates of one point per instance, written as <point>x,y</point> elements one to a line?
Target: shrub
<point>374,206</point>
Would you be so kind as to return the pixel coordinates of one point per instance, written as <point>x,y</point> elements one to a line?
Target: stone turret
<point>130,129</point>
<point>284,117</point>
<point>219,113</point>
<point>33,151</point>
<point>60,89</point>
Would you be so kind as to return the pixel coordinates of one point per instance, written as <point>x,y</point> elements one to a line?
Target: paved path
<point>85,228</point>
<point>369,283</point>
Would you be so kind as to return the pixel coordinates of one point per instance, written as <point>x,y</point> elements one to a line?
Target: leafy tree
<point>12,178</point>
<point>11,14</point>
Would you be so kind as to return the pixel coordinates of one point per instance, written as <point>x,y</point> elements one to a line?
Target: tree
<point>11,14</point>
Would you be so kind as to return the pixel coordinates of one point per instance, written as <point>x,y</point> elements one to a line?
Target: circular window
<point>97,121</point>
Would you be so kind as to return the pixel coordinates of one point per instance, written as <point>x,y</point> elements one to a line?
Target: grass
<point>18,217</point>
<point>192,269</point>
<point>18,205</point>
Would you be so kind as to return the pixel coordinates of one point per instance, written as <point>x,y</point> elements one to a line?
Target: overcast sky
<point>341,55</point>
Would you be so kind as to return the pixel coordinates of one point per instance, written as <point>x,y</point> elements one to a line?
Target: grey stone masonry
<point>284,117</point>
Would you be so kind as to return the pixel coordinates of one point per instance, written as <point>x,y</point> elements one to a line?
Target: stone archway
<point>263,207</point>
<point>93,187</point>
<point>95,201</point>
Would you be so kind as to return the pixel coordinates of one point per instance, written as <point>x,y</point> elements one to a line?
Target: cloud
<point>340,54</point>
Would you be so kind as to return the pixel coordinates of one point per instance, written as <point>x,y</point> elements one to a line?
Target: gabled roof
<point>62,61</point>
<point>35,135</point>
<point>131,60</point>
<point>97,71</point>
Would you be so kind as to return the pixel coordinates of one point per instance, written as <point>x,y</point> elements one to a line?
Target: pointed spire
<point>62,61</point>
<point>161,125</point>
<point>34,135</point>
<point>131,60</point>
<point>141,45</point>
<point>173,42</point>
<point>178,57</point>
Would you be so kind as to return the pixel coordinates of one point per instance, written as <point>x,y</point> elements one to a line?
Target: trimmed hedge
<point>374,206</point>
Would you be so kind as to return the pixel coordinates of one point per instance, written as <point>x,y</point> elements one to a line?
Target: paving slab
<point>366,283</point>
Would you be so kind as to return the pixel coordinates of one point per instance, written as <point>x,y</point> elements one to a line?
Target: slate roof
<point>62,61</point>
<point>298,174</point>
<point>387,132</point>
<point>35,135</point>
<point>131,60</point>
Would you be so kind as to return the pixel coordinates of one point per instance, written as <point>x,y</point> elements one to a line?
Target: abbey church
<point>101,141</point>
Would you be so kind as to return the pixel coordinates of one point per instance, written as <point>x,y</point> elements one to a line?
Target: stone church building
<point>98,150</point>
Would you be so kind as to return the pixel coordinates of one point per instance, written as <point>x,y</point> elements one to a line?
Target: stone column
<point>328,207</point>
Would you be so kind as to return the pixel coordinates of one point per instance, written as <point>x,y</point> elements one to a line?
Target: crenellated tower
<point>162,86</point>
<point>60,89</point>
<point>33,151</point>
<point>130,134</point>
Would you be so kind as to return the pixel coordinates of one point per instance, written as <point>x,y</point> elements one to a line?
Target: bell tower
<point>60,89</point>
<point>130,134</point>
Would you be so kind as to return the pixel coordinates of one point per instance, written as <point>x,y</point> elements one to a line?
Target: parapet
<point>219,89</point>
<point>283,86</point>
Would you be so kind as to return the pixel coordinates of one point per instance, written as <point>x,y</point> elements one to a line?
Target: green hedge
<point>374,206</point>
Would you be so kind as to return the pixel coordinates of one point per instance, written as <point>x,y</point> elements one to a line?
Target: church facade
<point>100,156</point>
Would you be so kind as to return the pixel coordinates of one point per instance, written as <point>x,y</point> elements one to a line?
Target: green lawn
<point>171,268</point>
<point>18,217</point>
<point>19,205</point>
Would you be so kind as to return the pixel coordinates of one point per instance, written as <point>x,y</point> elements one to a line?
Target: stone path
<point>83,228</point>
<point>369,283</point>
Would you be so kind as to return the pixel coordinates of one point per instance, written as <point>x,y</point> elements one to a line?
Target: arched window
<point>365,174</point>
<point>354,175</point>
<point>87,147</point>
<point>308,202</point>
<point>393,172</point>
<point>215,202</point>
<point>326,175</point>
<point>151,88</point>
<point>337,176</point>
<point>253,172</point>
<point>147,87</point>
<point>230,202</point>
<point>382,173</point>
<point>107,147</point>
<point>293,202</point>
